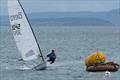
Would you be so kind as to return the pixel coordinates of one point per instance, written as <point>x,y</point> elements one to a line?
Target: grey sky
<point>63,5</point>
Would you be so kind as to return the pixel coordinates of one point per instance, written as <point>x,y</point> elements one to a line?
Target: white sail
<point>23,33</point>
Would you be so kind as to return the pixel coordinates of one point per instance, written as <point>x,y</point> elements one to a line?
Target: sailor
<point>51,56</point>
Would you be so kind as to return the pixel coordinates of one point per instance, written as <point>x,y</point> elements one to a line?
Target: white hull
<point>40,66</point>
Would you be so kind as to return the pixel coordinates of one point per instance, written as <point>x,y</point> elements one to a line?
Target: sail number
<point>16,17</point>
<point>16,29</point>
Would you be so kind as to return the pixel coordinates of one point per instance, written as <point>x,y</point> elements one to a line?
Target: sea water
<point>71,44</point>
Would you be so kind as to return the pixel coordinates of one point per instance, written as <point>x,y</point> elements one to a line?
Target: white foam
<point>16,67</point>
<point>25,68</point>
<point>107,74</point>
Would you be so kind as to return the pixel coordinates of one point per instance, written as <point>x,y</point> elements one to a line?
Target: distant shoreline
<point>109,18</point>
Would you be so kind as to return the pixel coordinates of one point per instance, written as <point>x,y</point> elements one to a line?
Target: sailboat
<point>24,36</point>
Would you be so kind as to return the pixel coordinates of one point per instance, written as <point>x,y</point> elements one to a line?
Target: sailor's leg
<point>53,60</point>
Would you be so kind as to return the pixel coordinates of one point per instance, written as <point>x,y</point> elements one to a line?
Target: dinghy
<point>24,36</point>
<point>97,62</point>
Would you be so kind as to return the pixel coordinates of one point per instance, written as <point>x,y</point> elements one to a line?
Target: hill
<point>109,18</point>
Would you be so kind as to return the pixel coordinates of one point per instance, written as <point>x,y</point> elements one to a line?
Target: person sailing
<point>51,56</point>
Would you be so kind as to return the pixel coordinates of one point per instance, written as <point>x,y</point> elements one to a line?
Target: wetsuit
<point>52,57</point>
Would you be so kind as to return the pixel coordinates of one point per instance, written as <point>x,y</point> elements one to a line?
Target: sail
<point>23,33</point>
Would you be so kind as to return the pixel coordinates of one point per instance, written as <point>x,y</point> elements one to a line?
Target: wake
<point>54,65</point>
<point>9,67</point>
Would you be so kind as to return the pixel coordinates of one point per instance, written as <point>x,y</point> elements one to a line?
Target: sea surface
<point>72,45</point>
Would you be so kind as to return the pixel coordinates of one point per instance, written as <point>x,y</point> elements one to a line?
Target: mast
<point>32,31</point>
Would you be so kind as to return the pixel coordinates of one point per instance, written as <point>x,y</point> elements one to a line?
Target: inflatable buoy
<point>94,58</point>
<point>96,62</point>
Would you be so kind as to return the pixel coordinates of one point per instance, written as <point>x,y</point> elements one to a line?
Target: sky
<point>32,6</point>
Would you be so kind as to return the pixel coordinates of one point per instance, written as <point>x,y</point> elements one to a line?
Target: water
<point>72,45</point>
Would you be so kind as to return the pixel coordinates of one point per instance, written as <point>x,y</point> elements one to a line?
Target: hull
<point>106,67</point>
<point>40,66</point>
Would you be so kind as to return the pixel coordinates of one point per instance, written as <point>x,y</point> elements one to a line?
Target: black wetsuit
<point>52,57</point>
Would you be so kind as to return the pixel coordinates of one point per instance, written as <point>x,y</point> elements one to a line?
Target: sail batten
<point>23,33</point>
